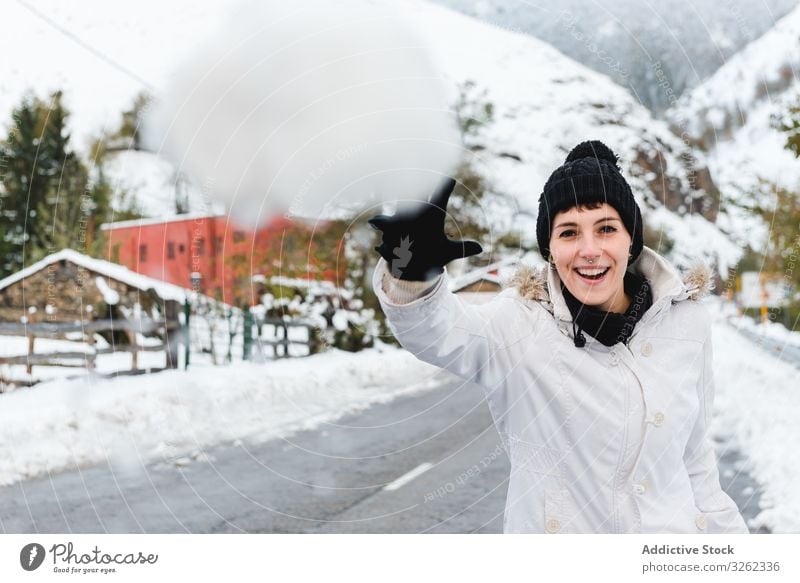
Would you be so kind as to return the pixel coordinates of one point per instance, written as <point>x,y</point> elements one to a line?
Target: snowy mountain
<point>626,38</point>
<point>732,117</point>
<point>543,103</point>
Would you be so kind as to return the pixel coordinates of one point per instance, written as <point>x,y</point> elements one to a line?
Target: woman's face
<point>581,235</point>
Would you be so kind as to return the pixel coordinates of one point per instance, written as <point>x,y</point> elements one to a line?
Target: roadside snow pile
<point>756,407</point>
<point>130,421</point>
<point>773,330</point>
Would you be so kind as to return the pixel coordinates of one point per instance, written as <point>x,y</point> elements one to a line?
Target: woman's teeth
<point>593,273</point>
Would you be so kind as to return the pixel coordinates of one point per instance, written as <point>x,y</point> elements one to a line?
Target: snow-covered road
<point>757,407</point>
<point>404,466</point>
<point>425,462</point>
<point>174,417</point>
<point>60,425</point>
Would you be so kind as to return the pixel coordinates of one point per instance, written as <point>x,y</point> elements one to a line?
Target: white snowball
<point>309,107</point>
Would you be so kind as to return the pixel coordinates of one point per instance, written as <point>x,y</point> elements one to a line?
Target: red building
<point>212,255</point>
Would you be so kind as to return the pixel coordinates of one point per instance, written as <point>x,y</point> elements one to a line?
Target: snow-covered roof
<point>166,291</point>
<point>157,220</point>
<point>494,272</point>
<point>315,285</point>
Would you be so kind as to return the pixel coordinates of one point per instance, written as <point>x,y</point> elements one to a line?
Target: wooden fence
<point>61,330</point>
<point>283,340</point>
<point>171,330</point>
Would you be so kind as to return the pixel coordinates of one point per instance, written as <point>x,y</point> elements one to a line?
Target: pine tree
<point>61,215</point>
<point>43,185</point>
<point>25,182</point>
<point>789,123</point>
<point>127,136</point>
<point>783,255</point>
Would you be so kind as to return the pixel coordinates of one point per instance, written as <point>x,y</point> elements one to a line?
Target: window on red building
<point>200,245</point>
<point>238,236</point>
<point>170,250</point>
<point>218,245</point>
<point>142,253</point>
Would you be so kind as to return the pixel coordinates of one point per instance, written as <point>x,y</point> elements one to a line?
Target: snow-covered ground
<point>757,403</point>
<point>206,333</point>
<point>174,415</point>
<point>772,330</point>
<point>105,363</point>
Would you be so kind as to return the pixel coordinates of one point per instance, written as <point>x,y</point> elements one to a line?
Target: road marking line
<point>408,476</point>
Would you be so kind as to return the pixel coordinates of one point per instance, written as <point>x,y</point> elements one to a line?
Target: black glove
<point>414,244</point>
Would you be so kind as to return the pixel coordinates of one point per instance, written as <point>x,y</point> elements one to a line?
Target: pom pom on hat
<point>593,149</point>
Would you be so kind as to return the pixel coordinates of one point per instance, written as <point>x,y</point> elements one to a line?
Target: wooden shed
<point>69,293</point>
<point>482,284</point>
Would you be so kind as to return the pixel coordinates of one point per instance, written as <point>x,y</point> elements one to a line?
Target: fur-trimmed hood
<point>543,285</point>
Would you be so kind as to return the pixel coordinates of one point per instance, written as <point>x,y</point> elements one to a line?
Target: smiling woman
<point>590,248</point>
<point>590,228</point>
<point>605,433</point>
<point>591,255</point>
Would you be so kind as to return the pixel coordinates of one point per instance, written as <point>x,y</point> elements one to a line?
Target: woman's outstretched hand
<point>414,243</point>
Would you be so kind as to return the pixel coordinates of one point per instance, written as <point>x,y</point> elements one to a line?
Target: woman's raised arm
<point>442,329</point>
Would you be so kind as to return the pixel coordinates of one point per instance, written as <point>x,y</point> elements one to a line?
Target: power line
<point>100,55</point>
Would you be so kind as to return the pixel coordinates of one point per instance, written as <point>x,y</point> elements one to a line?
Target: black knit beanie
<point>589,174</point>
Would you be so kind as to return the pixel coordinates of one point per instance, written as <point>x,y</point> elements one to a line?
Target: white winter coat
<point>601,439</point>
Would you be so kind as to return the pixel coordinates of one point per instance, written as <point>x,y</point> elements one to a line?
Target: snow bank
<point>756,408</point>
<point>173,415</point>
<point>130,421</point>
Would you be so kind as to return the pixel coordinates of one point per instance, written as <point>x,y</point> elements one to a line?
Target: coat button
<point>658,419</point>
<point>701,521</point>
<point>641,487</point>
<point>613,358</point>
<point>647,349</point>
<point>553,525</point>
